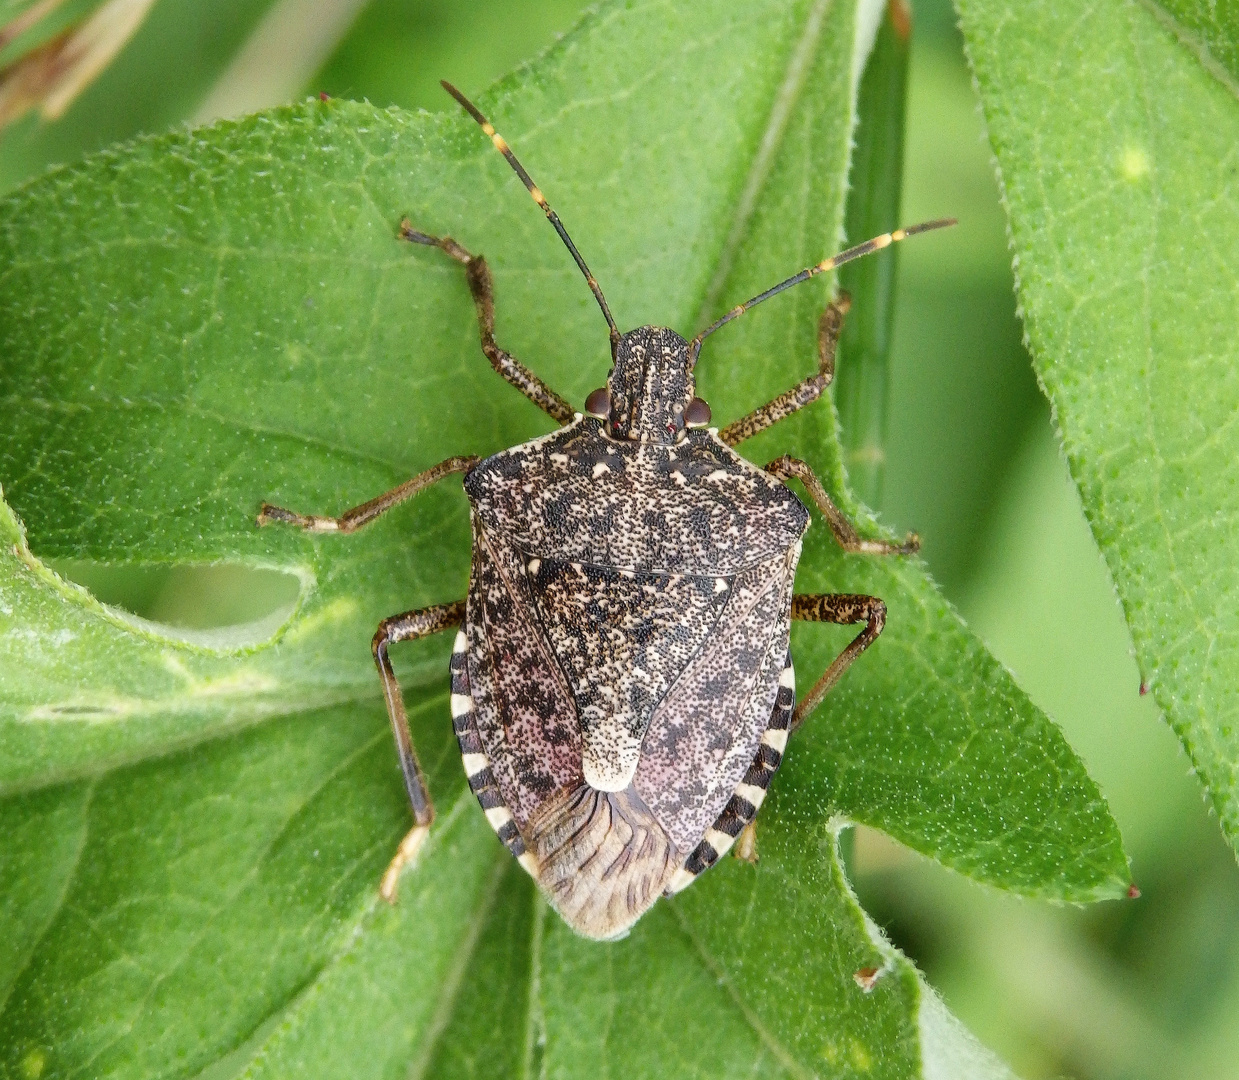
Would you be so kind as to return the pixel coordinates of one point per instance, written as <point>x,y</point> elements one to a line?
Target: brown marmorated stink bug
<point>622,688</point>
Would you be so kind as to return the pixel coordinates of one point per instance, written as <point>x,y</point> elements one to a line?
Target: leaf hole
<point>220,605</point>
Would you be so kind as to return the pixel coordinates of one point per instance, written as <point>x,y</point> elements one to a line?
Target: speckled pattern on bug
<point>621,687</point>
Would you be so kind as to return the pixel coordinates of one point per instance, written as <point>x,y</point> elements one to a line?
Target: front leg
<point>787,468</point>
<point>354,519</point>
<point>477,273</point>
<point>408,627</point>
<point>829,326</point>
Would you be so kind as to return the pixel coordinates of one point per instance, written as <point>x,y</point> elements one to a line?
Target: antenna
<point>852,253</point>
<point>538,197</point>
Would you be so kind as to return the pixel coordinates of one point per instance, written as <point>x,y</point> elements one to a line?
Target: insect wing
<point>526,715</point>
<point>621,638</point>
<point>704,734</point>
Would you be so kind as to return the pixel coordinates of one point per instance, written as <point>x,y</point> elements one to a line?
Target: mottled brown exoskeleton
<point>622,688</point>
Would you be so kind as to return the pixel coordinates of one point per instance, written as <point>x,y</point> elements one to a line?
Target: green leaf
<point>1207,27</point>
<point>196,322</point>
<point>1116,143</point>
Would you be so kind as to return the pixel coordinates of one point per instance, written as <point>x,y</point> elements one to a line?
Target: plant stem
<point>872,208</point>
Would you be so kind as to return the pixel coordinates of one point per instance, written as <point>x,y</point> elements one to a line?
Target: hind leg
<point>842,609</point>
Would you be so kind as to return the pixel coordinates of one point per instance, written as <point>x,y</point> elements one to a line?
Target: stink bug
<point>622,688</point>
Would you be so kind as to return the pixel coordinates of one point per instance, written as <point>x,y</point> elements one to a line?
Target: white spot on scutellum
<point>612,766</point>
<point>720,585</point>
<point>533,565</point>
<point>601,468</point>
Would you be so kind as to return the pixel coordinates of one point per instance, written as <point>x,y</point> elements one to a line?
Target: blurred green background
<point>1134,990</point>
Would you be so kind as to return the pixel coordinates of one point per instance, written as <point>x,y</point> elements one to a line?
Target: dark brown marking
<point>703,857</point>
<point>470,741</point>
<point>488,795</point>
<point>769,756</point>
<point>759,775</point>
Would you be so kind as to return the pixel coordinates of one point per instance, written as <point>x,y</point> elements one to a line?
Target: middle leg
<point>408,627</point>
<point>787,467</point>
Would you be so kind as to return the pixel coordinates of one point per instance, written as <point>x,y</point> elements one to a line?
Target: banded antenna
<point>503,148</point>
<point>852,253</point>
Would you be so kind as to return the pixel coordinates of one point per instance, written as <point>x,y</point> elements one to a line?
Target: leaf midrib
<point>721,977</point>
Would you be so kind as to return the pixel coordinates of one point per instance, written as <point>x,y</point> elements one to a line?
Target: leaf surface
<point>199,321</point>
<point>1116,144</point>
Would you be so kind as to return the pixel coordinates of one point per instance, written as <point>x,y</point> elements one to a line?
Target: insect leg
<point>787,468</point>
<point>354,519</point>
<point>477,273</point>
<point>407,627</point>
<point>840,609</point>
<point>791,401</point>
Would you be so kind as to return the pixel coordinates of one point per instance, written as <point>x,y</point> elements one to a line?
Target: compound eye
<point>599,403</point>
<point>697,414</point>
